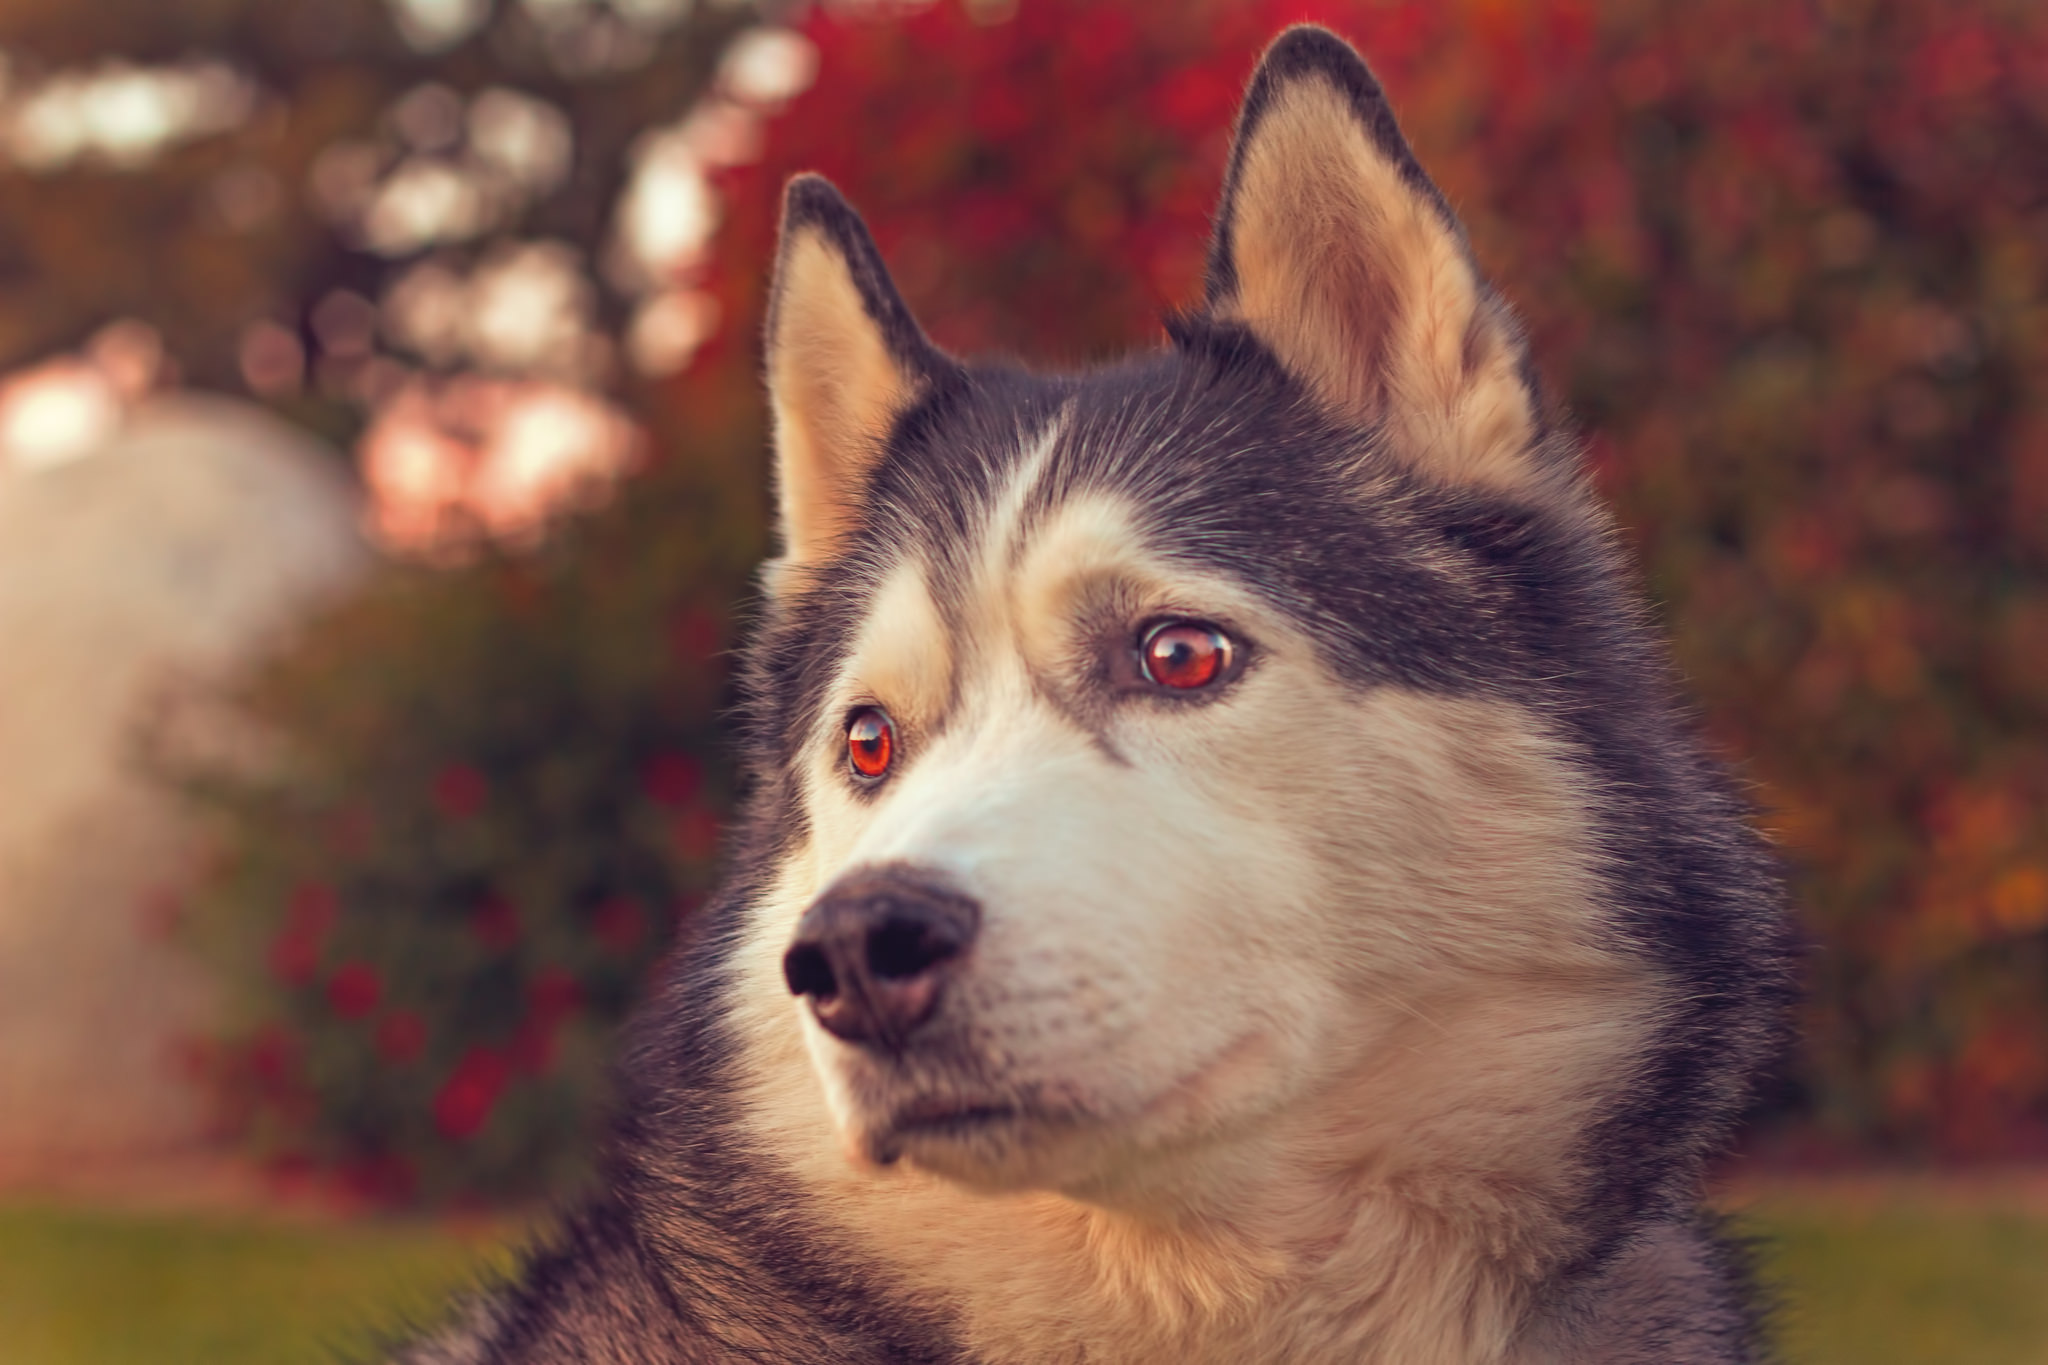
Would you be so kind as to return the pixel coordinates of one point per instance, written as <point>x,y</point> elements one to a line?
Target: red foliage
<point>619,924</point>
<point>294,957</point>
<point>465,1100</point>
<point>671,779</point>
<point>533,1048</point>
<point>354,989</point>
<point>495,922</point>
<point>401,1037</point>
<point>378,1178</point>
<point>1789,264</point>
<point>460,791</point>
<point>273,1057</point>
<point>694,635</point>
<point>553,995</point>
<point>295,953</point>
<point>696,833</point>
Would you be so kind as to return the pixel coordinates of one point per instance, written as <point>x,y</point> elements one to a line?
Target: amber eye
<point>870,741</point>
<point>1184,655</point>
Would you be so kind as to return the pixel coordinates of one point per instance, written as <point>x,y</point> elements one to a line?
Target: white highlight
<point>120,114</point>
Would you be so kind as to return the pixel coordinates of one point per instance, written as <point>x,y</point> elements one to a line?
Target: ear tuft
<point>845,360</point>
<point>1336,250</point>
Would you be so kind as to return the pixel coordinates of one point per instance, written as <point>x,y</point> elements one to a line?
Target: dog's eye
<point>870,741</point>
<point>1184,655</point>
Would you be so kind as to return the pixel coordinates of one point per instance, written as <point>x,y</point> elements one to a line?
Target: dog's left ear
<point>1339,254</point>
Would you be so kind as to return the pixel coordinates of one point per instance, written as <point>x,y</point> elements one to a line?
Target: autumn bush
<point>486,795</point>
<point>1785,263</point>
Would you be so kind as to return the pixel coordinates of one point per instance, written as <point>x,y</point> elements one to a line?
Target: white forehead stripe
<point>1006,514</point>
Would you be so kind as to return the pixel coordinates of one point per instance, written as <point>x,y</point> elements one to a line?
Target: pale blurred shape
<point>432,24</point>
<point>416,473</point>
<point>345,322</point>
<point>428,117</point>
<point>58,412</point>
<point>343,179</point>
<point>654,14</point>
<point>553,448</point>
<point>527,140</point>
<point>721,133</point>
<point>444,462</point>
<point>148,573</point>
<point>767,66</point>
<point>122,114</point>
<point>424,311</point>
<point>556,11</point>
<point>130,353</point>
<point>272,358</point>
<point>426,200</point>
<point>668,329</point>
<point>48,130</point>
<point>246,196</point>
<point>529,308</point>
<point>669,211</point>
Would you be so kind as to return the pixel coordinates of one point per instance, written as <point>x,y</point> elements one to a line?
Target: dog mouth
<point>945,1118</point>
<point>931,1125</point>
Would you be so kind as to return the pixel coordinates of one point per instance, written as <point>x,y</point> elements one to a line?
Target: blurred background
<point>382,470</point>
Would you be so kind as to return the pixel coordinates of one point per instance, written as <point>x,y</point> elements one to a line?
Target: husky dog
<point>1227,878</point>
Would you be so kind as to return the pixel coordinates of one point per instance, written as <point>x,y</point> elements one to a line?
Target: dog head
<point>1165,761</point>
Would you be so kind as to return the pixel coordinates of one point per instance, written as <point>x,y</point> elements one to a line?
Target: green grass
<point>1906,1283</point>
<point>91,1288</point>
<point>1900,1283</point>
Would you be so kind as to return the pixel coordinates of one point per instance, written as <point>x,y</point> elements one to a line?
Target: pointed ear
<point>1335,249</point>
<point>845,360</point>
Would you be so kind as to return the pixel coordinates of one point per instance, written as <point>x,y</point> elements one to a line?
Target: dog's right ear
<point>845,360</point>
<point>1335,250</point>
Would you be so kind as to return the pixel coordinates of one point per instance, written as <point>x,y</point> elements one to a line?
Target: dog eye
<point>870,742</point>
<point>1184,655</point>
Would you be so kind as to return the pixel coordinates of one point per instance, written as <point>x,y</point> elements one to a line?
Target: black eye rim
<point>853,718</point>
<point>1235,653</point>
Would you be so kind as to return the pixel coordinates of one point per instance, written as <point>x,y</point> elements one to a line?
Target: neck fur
<point>1290,1246</point>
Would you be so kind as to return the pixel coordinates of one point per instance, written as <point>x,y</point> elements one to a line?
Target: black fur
<point>698,1250</point>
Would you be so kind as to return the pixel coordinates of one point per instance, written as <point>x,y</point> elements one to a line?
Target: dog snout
<point>872,954</point>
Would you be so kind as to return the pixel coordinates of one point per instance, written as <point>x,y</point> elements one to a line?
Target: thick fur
<point>1379,1004</point>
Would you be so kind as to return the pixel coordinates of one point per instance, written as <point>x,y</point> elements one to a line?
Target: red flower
<point>354,989</point>
<point>459,791</point>
<point>401,1037</point>
<point>465,1100</point>
<point>496,923</point>
<point>619,924</point>
<point>553,994</point>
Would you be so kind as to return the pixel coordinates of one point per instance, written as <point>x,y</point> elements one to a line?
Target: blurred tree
<point>357,140</point>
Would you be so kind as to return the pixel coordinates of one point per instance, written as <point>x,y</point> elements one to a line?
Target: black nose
<point>872,953</point>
